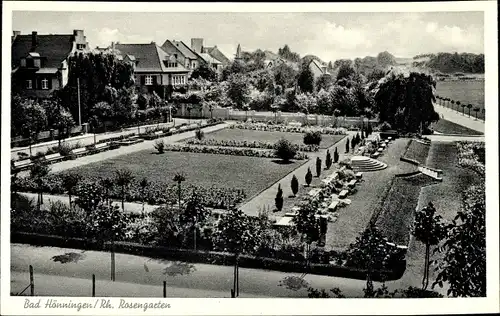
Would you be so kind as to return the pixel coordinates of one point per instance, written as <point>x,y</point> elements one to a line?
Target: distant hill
<point>451,62</point>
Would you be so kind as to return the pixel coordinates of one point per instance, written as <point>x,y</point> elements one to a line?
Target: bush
<point>160,146</point>
<point>246,144</point>
<point>279,199</point>
<point>295,185</point>
<point>328,160</point>
<point>312,138</point>
<point>308,177</point>
<point>318,166</point>
<point>199,134</point>
<point>285,150</point>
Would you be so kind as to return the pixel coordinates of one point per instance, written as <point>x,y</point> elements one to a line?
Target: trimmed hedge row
<point>229,151</point>
<point>208,257</point>
<point>289,129</point>
<point>169,131</point>
<point>245,144</point>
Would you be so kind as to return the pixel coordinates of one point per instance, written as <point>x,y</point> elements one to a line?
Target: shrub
<point>200,134</point>
<point>295,185</point>
<point>335,155</point>
<point>318,166</point>
<point>312,138</point>
<point>308,177</point>
<point>285,150</point>
<point>246,144</point>
<point>279,199</point>
<point>347,145</point>
<point>160,146</point>
<point>328,160</point>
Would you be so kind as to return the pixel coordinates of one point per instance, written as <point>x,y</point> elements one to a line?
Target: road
<point>143,276</point>
<point>458,118</point>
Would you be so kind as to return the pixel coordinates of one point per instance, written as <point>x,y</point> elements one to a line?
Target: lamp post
<point>79,107</point>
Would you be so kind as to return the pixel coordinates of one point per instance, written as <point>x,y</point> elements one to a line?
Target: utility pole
<point>79,109</point>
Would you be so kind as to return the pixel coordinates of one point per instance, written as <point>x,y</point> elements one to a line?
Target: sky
<point>329,36</point>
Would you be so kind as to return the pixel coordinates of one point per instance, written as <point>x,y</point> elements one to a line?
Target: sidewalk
<point>265,199</point>
<point>88,139</point>
<point>459,118</point>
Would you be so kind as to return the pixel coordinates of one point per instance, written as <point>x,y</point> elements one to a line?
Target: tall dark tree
<point>318,166</point>
<point>294,185</point>
<point>305,80</point>
<point>204,71</point>
<point>69,182</point>
<point>347,145</point>
<point>328,159</point>
<point>179,178</point>
<point>336,155</point>
<point>279,198</point>
<point>308,177</point>
<point>406,101</point>
<point>238,90</point>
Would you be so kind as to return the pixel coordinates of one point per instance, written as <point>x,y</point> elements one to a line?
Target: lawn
<point>397,214</point>
<point>250,174</point>
<point>446,127</point>
<point>417,151</point>
<point>269,137</point>
<point>354,218</point>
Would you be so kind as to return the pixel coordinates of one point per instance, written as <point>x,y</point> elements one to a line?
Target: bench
<point>343,194</point>
<point>375,155</point>
<point>54,158</point>
<point>284,221</point>
<point>77,152</point>
<point>22,164</point>
<point>352,183</point>
<point>359,175</point>
<point>380,149</point>
<point>101,147</point>
<point>333,205</point>
<point>291,214</point>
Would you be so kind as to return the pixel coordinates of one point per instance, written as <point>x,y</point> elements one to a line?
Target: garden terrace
<point>354,218</point>
<point>250,174</point>
<point>397,213</point>
<point>230,134</point>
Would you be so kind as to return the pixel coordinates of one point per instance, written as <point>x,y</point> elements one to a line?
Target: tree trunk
<point>179,193</point>
<point>237,278</point>
<point>113,261</point>
<point>123,199</point>
<point>69,197</point>
<point>234,275</point>
<point>426,272</point>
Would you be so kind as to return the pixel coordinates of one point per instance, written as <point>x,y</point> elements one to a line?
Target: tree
<point>346,72</point>
<point>463,105</point>
<point>336,155</point>
<point>476,109</point>
<point>318,166</point>
<point>64,121</point>
<point>469,106</point>
<point>347,145</point>
<point>353,143</point>
<point>238,90</point>
<point>278,200</point>
<point>195,215</point>
<point>453,104</point>
<point>308,177</point>
<point>324,82</point>
<point>204,71</point>
<point>324,101</point>
<point>295,185</point>
<point>285,150</point>
<point>428,229</point>
<point>370,252</point>
<point>305,79</point>
<point>32,119</point>
<point>236,234</point>
<point>458,104</point>
<point>307,225</point>
<point>306,103</point>
<point>179,178</point>
<point>328,160</point>
<point>38,171</point>
<point>284,75</point>
<point>69,183</point>
<point>376,75</point>
<point>123,178</point>
<point>406,101</point>
<point>312,138</point>
<point>463,265</point>
<point>144,185</point>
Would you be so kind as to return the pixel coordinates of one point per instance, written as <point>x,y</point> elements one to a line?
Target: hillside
<point>451,62</point>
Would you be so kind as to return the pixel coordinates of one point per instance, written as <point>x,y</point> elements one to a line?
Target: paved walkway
<point>455,138</point>
<point>265,199</point>
<point>459,118</point>
<point>88,139</point>
<point>147,144</point>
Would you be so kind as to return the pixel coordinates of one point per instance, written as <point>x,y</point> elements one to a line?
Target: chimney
<point>197,45</point>
<point>34,39</point>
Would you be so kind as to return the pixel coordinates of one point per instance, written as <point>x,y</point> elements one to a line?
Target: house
<point>154,69</point>
<point>189,59</point>
<point>40,62</point>
<point>211,62</point>
<point>318,69</point>
<point>197,47</point>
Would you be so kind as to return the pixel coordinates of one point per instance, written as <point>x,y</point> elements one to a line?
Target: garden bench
<point>22,164</point>
<point>79,151</point>
<point>359,175</point>
<point>333,205</point>
<point>380,149</point>
<point>375,155</point>
<point>101,147</point>
<point>383,145</point>
<point>54,158</point>
<point>291,214</point>
<point>352,183</point>
<point>343,194</point>
<point>389,138</point>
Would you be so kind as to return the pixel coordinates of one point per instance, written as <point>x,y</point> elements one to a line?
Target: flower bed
<point>290,129</point>
<point>245,144</point>
<point>248,152</point>
<point>469,156</point>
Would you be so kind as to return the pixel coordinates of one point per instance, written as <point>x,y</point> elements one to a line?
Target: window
<point>149,80</point>
<point>45,84</point>
<point>29,84</point>
<point>80,46</point>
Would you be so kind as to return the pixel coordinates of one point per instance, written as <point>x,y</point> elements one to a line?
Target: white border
<point>14,305</point>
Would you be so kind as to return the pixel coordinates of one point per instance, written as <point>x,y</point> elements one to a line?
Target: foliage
<point>318,166</point>
<point>285,150</point>
<point>305,79</point>
<point>199,134</point>
<point>294,185</point>
<point>159,145</point>
<point>315,293</point>
<point>289,129</point>
<point>284,75</point>
<point>324,82</point>
<point>347,145</point>
<point>205,72</point>
<point>312,138</point>
<point>123,179</point>
<point>90,196</point>
<point>238,90</point>
<point>306,223</point>
<point>286,53</point>
<point>245,144</point>
<point>463,266</point>
<point>324,101</point>
<point>405,101</point>
<point>472,155</point>
<point>335,155</point>
<point>308,177</point>
<point>346,72</point>
<point>28,117</point>
<point>306,103</point>
<point>234,233</point>
<point>454,62</point>
<point>107,223</point>
<point>279,199</point>
<point>328,159</point>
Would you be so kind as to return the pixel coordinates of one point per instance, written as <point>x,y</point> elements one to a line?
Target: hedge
<point>208,257</point>
<point>245,144</point>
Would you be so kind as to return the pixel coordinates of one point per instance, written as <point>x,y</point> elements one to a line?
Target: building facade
<point>318,69</point>
<point>184,55</point>
<point>197,47</point>
<point>39,63</point>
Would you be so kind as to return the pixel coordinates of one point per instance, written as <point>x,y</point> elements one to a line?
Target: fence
<point>279,117</point>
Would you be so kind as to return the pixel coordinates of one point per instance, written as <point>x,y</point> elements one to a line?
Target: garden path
<point>459,118</point>
<point>265,199</point>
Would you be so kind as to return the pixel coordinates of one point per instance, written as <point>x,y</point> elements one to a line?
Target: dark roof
<point>149,57</point>
<point>184,49</point>
<point>53,48</point>
<point>217,54</point>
